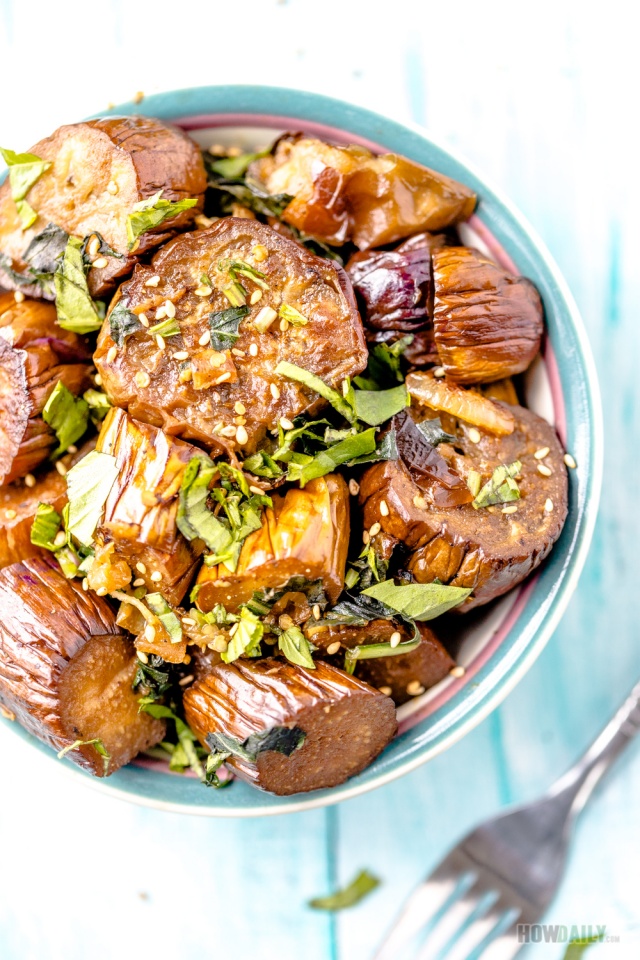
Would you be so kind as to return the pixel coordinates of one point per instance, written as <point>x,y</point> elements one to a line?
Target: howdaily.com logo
<point>561,933</point>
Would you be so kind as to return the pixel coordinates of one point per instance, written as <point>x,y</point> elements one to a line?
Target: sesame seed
<point>181,355</point>
<point>142,657</point>
<point>239,407</point>
<point>474,435</point>
<point>60,538</point>
<point>205,338</point>
<point>419,502</point>
<point>544,470</point>
<point>415,688</point>
<point>18,296</point>
<point>170,308</point>
<point>152,281</point>
<point>242,436</point>
<point>264,319</point>
<point>142,378</point>
<point>141,568</point>
<point>345,388</point>
<point>395,639</point>
<point>101,591</point>
<point>512,508</point>
<point>161,313</point>
<point>275,393</point>
<point>112,188</point>
<point>316,611</point>
<point>144,320</point>
<point>253,351</point>
<point>457,672</point>
<point>209,630</point>
<point>223,378</point>
<point>366,537</point>
<point>72,448</point>
<point>234,629</point>
<point>98,380</point>
<point>60,467</point>
<point>217,358</point>
<point>541,453</point>
<point>387,691</point>
<point>229,431</point>
<point>161,345</point>
<point>85,584</point>
<point>548,505</point>
<point>11,515</point>
<point>139,582</point>
<point>237,353</point>
<point>156,576</point>
<point>203,291</point>
<point>354,487</point>
<point>185,680</point>
<point>150,632</point>
<point>240,421</point>
<point>100,263</point>
<point>439,372</point>
<point>285,621</point>
<point>570,462</point>
<point>374,529</point>
<point>333,648</point>
<point>112,353</point>
<point>189,621</point>
<point>93,247</point>
<point>255,297</point>
<point>284,325</point>
<point>285,423</point>
<point>384,509</point>
<point>219,644</point>
<point>257,490</point>
<point>260,252</point>
<point>29,480</point>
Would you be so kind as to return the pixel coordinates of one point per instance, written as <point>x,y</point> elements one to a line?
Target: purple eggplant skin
<point>66,670</point>
<point>393,289</point>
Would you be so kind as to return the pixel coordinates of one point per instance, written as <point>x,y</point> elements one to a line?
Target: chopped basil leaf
<point>151,212</point>
<point>24,170</point>
<point>76,310</point>
<point>295,646</point>
<point>45,250</point>
<point>418,601</point>
<point>44,281</point>
<point>377,406</point>
<point>166,328</point>
<point>98,746</point>
<point>260,464</point>
<point>103,248</point>
<point>501,488</point>
<point>383,368</point>
<point>194,519</point>
<point>89,483</point>
<point>371,651</point>
<point>155,677</point>
<point>286,438</point>
<point>474,482</point>
<point>360,887</point>
<point>248,632</point>
<point>326,461</point>
<point>433,433</point>
<point>159,606</point>
<point>308,379</point>
<point>69,562</point>
<point>186,737</point>
<point>99,404</point>
<point>238,268</point>
<point>224,326</point>
<point>122,323</point>
<point>358,611</point>
<point>294,316</point>
<point>45,526</point>
<point>247,192</point>
<point>283,740</point>
<point>234,167</point>
<point>68,416</point>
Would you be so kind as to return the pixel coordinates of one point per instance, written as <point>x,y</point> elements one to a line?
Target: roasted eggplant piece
<point>139,519</point>
<point>400,676</point>
<point>393,289</point>
<point>66,672</point>
<point>489,549</point>
<point>347,193</point>
<point>299,729</point>
<point>99,171</point>
<point>214,381</point>
<point>35,355</point>
<point>304,536</point>
<point>487,322</point>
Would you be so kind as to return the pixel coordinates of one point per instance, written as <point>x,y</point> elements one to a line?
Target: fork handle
<point>579,782</point>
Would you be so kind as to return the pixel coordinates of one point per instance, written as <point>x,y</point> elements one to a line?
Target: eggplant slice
<point>331,725</point>
<point>66,671</point>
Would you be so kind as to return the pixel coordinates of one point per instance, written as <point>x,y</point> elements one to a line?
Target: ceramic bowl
<point>500,645</point>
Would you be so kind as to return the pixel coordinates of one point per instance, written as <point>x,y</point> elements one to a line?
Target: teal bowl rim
<point>545,596</point>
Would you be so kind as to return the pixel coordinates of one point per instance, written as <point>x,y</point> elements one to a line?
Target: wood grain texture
<point>543,102</point>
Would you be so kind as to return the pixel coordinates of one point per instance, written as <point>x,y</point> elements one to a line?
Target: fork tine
<point>500,943</point>
<point>479,934</point>
<point>461,915</point>
<point>423,905</point>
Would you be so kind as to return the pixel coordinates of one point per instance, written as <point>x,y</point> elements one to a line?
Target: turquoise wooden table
<point>545,108</point>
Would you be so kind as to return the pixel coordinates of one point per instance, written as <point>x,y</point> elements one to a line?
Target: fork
<point>506,871</point>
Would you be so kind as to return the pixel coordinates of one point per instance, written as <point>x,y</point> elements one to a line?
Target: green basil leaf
<point>46,524</point>
<point>361,885</point>
<point>474,482</point>
<point>283,740</point>
<point>418,601</point>
<point>150,213</point>
<point>349,450</point>
<point>234,167</point>
<point>377,406</point>
<point>99,404</point>
<point>224,326</point>
<point>98,746</point>
<point>383,368</point>
<point>166,328</point>
<point>260,464</point>
<point>371,651</point>
<point>240,268</point>
<point>103,248</point>
<point>76,310</point>
<point>186,737</point>
<point>159,606</point>
<point>433,433</point>
<point>69,562</point>
<point>45,250</point>
<point>68,416</point>
<point>155,676</point>
<point>195,520</point>
<point>501,488</point>
<point>24,170</point>
<point>248,192</point>
<point>122,323</point>
<point>308,379</point>
<point>295,318</point>
<point>295,646</point>
<point>89,484</point>
<point>248,632</point>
